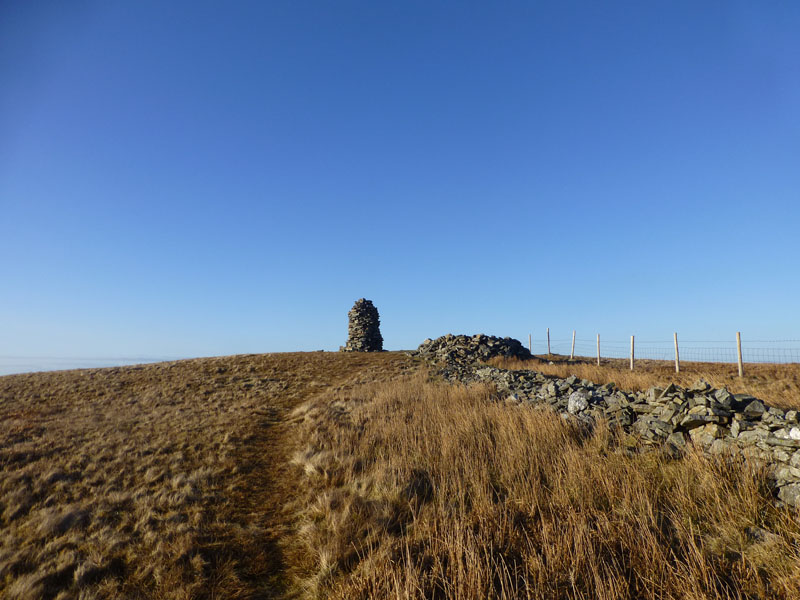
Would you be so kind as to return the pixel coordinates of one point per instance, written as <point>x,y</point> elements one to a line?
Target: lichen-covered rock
<point>790,494</point>
<point>578,401</point>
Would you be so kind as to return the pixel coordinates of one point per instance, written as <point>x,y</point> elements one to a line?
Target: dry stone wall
<point>363,330</point>
<point>670,418</point>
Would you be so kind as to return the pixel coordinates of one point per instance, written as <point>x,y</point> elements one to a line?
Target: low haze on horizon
<point>196,178</point>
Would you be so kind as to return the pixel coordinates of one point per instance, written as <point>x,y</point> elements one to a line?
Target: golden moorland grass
<point>341,475</point>
<point>421,490</point>
<point>157,481</point>
<point>777,384</point>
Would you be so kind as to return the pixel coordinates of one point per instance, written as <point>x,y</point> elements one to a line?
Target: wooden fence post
<point>598,349</point>
<point>548,341</point>
<point>677,357</point>
<point>631,353</point>
<point>572,352</point>
<point>739,349</point>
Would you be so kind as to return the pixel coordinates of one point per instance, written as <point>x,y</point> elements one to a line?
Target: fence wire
<point>756,351</point>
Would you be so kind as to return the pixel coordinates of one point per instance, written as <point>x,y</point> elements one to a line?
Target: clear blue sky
<point>200,178</point>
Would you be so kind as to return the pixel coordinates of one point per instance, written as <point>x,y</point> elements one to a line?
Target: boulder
<point>578,402</point>
<point>754,410</point>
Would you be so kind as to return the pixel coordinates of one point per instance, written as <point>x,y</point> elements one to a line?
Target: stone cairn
<point>363,330</point>
<point>459,349</point>
<point>669,419</point>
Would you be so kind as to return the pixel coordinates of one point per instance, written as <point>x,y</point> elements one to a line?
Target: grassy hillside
<point>156,481</point>
<point>326,475</point>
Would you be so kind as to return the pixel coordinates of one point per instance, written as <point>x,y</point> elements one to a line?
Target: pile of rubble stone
<point>363,328</point>
<point>714,420</point>
<point>467,349</point>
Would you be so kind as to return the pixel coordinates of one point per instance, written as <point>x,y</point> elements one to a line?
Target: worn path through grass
<point>163,481</point>
<point>267,493</point>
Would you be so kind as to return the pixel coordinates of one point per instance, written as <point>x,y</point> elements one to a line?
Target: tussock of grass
<point>420,490</point>
<point>778,384</point>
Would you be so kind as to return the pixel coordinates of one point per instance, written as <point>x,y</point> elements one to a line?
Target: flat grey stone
<point>723,396</point>
<point>720,412</point>
<point>781,455</point>
<point>698,401</point>
<point>787,474</point>
<point>782,433</point>
<point>666,413</point>
<point>675,445</point>
<point>701,438</point>
<point>774,441</point>
<point>692,421</point>
<point>677,439</point>
<point>719,446</point>
<point>790,494</point>
<point>754,409</point>
<point>670,389</point>
<point>752,436</point>
<point>758,534</point>
<point>651,429</point>
<point>795,460</point>
<point>661,427</point>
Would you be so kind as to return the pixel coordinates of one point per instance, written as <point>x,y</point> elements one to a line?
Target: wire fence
<point>753,351</point>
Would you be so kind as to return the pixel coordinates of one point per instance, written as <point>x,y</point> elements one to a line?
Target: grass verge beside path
<point>426,491</point>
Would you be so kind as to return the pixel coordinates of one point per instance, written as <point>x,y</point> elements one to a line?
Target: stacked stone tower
<point>364,333</point>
